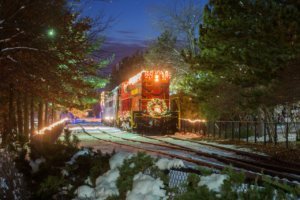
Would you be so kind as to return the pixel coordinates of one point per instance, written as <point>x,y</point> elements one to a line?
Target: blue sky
<point>133,19</point>
<point>134,25</point>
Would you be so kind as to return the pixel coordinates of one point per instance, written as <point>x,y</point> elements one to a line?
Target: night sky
<point>134,25</point>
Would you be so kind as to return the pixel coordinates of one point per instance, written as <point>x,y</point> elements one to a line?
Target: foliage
<point>57,177</point>
<point>12,183</point>
<point>237,67</point>
<point>157,107</point>
<point>234,187</point>
<point>50,186</point>
<point>47,55</point>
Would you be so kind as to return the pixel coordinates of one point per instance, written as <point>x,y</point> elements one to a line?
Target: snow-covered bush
<point>12,184</point>
<point>231,185</point>
<point>146,187</point>
<point>135,165</point>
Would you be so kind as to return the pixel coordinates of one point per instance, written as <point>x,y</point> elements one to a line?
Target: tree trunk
<point>53,113</point>
<point>40,115</point>
<point>26,116</point>
<point>19,115</point>
<point>31,116</point>
<point>11,111</point>
<point>270,127</point>
<point>46,121</point>
<point>4,128</point>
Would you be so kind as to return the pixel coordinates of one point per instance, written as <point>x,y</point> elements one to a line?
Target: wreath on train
<point>157,107</point>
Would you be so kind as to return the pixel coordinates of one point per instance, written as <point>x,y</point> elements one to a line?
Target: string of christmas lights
<point>50,127</point>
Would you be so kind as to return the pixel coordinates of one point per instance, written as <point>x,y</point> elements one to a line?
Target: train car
<point>109,104</point>
<point>143,101</point>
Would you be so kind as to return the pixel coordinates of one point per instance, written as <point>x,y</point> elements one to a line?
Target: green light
<point>51,32</point>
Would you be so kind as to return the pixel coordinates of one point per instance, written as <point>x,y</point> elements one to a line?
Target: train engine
<point>141,103</point>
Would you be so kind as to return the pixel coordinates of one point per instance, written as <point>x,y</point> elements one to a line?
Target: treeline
<point>46,63</point>
<point>235,60</point>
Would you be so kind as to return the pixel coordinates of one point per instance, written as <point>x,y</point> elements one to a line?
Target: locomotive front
<point>143,101</point>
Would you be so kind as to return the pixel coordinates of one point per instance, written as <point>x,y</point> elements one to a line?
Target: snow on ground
<point>280,138</point>
<point>234,147</point>
<point>199,147</point>
<point>105,184</point>
<point>147,188</point>
<point>87,140</point>
<point>118,159</point>
<point>165,163</point>
<point>35,164</point>
<point>85,191</point>
<point>213,181</point>
<point>144,186</point>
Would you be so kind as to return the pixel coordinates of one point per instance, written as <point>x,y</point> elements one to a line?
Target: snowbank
<point>117,160</point>
<point>165,163</point>
<point>35,164</point>
<point>82,152</point>
<point>213,181</point>
<point>85,191</point>
<point>106,185</point>
<point>147,188</point>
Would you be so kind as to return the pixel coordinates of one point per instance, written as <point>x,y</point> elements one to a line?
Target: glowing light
<point>49,128</point>
<point>108,118</point>
<point>156,75</point>
<point>51,32</point>
<point>135,78</point>
<point>194,120</point>
<point>156,78</point>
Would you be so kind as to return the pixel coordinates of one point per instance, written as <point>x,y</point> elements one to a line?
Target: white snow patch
<point>106,185</point>
<point>117,160</point>
<point>281,137</point>
<point>165,163</point>
<point>64,173</point>
<point>85,191</point>
<point>3,184</point>
<point>82,152</point>
<point>132,165</point>
<point>88,181</point>
<point>213,181</point>
<point>147,188</point>
<point>35,164</point>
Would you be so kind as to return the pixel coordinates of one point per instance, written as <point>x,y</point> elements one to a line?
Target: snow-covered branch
<point>18,48</point>
<point>11,58</point>
<point>10,38</point>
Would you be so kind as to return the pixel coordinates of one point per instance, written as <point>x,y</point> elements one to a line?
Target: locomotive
<point>141,103</point>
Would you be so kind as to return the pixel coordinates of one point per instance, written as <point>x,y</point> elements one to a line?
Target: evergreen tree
<point>243,46</point>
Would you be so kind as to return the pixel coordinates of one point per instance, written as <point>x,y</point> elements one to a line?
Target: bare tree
<point>182,18</point>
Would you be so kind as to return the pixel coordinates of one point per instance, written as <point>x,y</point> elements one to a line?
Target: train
<point>142,103</point>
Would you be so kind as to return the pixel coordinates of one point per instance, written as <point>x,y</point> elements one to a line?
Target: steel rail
<point>292,165</point>
<point>250,176</point>
<point>229,161</point>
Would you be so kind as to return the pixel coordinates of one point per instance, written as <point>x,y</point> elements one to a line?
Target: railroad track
<point>246,163</point>
<point>254,156</point>
<point>252,171</point>
<point>263,162</point>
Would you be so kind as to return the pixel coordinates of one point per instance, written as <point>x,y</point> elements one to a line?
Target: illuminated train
<point>141,103</point>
